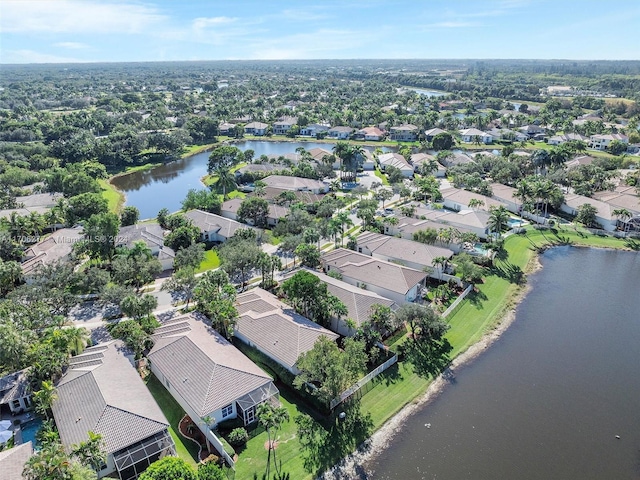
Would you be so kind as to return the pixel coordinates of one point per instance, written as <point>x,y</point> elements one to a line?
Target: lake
<point>547,400</point>
<point>165,186</point>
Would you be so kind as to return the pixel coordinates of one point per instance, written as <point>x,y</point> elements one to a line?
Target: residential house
<point>15,391</point>
<point>56,248</point>
<point>272,195</point>
<point>392,281</point>
<point>507,135</point>
<point>274,328</point>
<point>282,126</point>
<point>622,198</point>
<point>604,215</point>
<point>430,134</point>
<point>458,199</point>
<point>101,392</point>
<point>313,130</point>
<point>296,184</point>
<point>13,461</point>
<point>602,142</point>
<point>276,212</point>
<point>567,137</point>
<point>215,228</point>
<point>404,133</point>
<point>371,134</point>
<point>472,221</point>
<point>256,128</point>
<point>357,300</point>
<point>152,235</point>
<point>473,135</point>
<point>395,160</point>
<point>416,255</point>
<point>226,128</point>
<point>258,169</point>
<point>209,377</point>
<point>579,160</point>
<point>455,159</point>
<point>418,159</point>
<point>532,130</point>
<point>340,132</point>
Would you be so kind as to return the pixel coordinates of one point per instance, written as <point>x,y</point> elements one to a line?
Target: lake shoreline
<point>352,465</point>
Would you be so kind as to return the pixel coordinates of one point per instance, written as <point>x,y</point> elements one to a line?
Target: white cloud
<point>73,16</point>
<point>31,56</point>
<point>203,22</point>
<point>71,45</point>
<point>306,14</point>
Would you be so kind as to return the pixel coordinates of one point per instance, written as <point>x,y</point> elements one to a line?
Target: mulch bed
<point>195,436</point>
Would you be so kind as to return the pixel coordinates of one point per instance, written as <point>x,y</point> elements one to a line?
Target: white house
<point>404,133</point>
<point>102,392</point>
<point>293,184</point>
<point>282,126</point>
<point>313,130</point>
<point>274,328</point>
<point>15,391</point>
<point>207,375</point>
<point>371,134</point>
<point>256,128</point>
<point>215,228</point>
<point>389,280</point>
<point>152,235</point>
<point>56,248</point>
<point>395,160</point>
<point>473,135</point>
<point>604,211</point>
<point>601,142</point>
<point>340,132</point>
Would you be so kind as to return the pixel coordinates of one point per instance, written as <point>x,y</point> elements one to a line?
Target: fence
<point>362,382</point>
<point>457,303</point>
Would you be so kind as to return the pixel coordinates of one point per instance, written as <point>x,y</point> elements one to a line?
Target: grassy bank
<point>186,449</point>
<point>195,149</point>
<point>400,385</point>
<point>114,196</point>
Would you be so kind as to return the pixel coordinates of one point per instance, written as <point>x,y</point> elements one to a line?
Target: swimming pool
<point>516,222</point>
<point>29,430</point>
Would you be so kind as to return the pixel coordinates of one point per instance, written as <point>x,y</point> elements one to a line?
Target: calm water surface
<point>167,185</point>
<point>547,400</point>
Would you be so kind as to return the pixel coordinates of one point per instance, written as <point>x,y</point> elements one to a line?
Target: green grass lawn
<point>113,195</point>
<point>185,448</point>
<point>210,261</point>
<point>381,176</point>
<point>194,149</point>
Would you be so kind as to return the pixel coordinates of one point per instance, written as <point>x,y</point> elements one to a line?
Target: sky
<point>61,31</point>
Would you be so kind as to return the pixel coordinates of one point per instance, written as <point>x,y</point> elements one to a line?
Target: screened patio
<point>133,460</point>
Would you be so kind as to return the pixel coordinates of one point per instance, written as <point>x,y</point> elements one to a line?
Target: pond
<point>165,186</point>
<point>549,399</point>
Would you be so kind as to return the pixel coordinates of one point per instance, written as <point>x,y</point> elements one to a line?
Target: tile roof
<point>102,392</point>
<point>14,386</point>
<point>271,193</point>
<point>205,369</point>
<point>400,249</point>
<point>372,271</point>
<point>619,200</point>
<point>463,197</point>
<point>434,131</point>
<point>12,461</point>
<point>293,183</point>
<point>394,160</point>
<point>357,300</point>
<point>604,210</point>
<point>275,327</point>
<point>210,222</point>
<point>54,248</point>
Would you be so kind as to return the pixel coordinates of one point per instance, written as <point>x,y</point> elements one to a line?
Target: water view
<point>548,400</point>
<point>166,186</point>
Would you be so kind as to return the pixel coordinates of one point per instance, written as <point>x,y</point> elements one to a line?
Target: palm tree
<point>44,398</point>
<point>208,421</point>
<point>475,202</point>
<point>76,338</point>
<point>622,214</point>
<point>91,452</point>
<point>498,220</point>
<point>271,418</point>
<point>226,180</point>
<point>440,263</point>
<point>342,220</point>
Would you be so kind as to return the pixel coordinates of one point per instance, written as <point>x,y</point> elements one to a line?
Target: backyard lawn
<point>113,196</point>
<point>210,261</point>
<point>186,449</point>
<point>400,385</point>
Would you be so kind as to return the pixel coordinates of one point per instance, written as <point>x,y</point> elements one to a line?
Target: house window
<point>15,404</point>
<point>226,411</point>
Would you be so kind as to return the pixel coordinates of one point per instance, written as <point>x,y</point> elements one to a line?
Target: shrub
<point>238,436</point>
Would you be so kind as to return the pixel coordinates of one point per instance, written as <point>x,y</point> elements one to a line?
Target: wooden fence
<point>362,382</point>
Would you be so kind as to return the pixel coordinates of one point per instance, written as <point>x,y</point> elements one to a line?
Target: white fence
<point>452,308</point>
<point>362,382</point>
<point>217,444</point>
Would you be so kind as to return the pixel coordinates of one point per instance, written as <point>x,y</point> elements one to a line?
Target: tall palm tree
<point>44,398</point>
<point>271,418</point>
<point>77,339</point>
<point>226,180</point>
<point>91,452</point>
<point>498,220</point>
<point>343,220</point>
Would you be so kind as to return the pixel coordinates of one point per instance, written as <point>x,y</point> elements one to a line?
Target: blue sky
<point>43,31</point>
